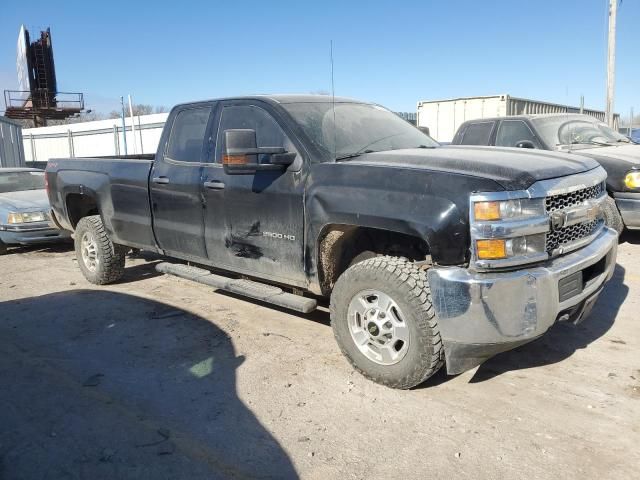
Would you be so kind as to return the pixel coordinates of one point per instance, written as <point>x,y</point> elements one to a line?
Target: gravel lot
<point>156,377</point>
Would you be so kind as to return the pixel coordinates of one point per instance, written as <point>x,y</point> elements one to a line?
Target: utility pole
<point>611,61</point>
<point>133,128</point>
<point>124,128</point>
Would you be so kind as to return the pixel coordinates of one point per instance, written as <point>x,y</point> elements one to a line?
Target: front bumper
<point>629,207</point>
<point>31,233</point>
<point>481,314</point>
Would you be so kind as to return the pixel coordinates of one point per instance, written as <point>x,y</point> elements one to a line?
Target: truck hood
<point>511,168</point>
<point>617,160</point>
<point>27,200</point>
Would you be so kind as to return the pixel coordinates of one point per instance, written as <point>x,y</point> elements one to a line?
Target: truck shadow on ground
<point>98,384</point>
<point>563,339</point>
<point>630,236</point>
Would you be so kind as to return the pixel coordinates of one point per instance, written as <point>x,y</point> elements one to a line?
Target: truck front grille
<point>565,200</point>
<point>573,233</point>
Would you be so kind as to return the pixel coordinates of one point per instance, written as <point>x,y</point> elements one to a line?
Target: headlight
<point>498,249</point>
<point>26,217</point>
<point>508,209</point>
<point>632,179</point>
<point>508,231</point>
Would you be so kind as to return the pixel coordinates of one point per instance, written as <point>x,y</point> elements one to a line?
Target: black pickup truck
<point>574,133</point>
<point>429,255</point>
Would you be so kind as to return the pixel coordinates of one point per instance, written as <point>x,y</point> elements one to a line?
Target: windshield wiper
<point>362,150</point>
<point>590,142</point>
<point>352,155</point>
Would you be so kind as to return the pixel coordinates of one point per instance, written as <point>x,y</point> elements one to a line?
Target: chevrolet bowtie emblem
<point>558,220</point>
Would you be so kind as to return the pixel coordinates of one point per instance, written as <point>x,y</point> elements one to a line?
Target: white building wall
<point>444,117</point>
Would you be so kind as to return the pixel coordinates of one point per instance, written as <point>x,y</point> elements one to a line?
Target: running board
<point>247,288</point>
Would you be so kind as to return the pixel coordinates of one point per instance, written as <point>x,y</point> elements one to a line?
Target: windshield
<point>576,130</point>
<point>20,181</point>
<point>358,128</point>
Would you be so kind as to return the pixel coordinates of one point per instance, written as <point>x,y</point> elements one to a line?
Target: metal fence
<point>94,139</point>
<point>11,148</point>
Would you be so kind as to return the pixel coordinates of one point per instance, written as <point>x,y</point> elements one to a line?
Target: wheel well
<point>340,245</point>
<point>79,206</point>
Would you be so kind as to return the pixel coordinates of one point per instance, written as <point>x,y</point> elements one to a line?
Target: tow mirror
<point>240,154</point>
<point>525,144</point>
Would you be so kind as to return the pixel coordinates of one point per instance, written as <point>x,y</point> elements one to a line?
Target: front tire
<point>384,322</point>
<point>3,248</point>
<point>100,260</point>
<point>612,217</point>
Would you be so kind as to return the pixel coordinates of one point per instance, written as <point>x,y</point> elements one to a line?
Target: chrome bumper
<point>629,206</point>
<point>481,314</point>
<point>33,233</point>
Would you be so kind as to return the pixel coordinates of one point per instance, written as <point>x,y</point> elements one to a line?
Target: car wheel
<point>3,248</point>
<point>384,322</point>
<point>100,260</point>
<point>612,216</point>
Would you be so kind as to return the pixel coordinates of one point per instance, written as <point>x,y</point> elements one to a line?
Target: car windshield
<point>357,128</point>
<point>576,130</point>
<point>20,181</point>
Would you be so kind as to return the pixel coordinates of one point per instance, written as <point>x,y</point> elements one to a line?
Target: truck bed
<point>120,183</point>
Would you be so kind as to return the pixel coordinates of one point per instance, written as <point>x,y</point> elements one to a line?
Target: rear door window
<point>512,132</point>
<point>187,135</point>
<point>477,134</point>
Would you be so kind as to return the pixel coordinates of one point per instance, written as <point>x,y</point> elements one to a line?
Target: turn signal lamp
<point>491,249</point>
<point>487,210</point>
<point>234,159</point>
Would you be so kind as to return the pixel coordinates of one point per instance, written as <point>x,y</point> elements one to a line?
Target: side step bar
<point>248,288</point>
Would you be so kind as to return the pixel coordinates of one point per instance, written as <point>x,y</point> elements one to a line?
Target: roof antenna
<point>333,103</point>
<point>567,112</point>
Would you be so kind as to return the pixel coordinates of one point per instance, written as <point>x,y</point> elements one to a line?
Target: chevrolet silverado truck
<point>573,133</point>
<point>429,256</point>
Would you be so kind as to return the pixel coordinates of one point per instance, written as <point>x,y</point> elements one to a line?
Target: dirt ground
<point>156,377</point>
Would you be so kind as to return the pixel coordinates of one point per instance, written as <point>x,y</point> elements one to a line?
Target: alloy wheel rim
<point>378,327</point>
<point>89,251</point>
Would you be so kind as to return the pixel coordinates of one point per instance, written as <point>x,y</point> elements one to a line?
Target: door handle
<point>160,180</point>
<point>214,185</point>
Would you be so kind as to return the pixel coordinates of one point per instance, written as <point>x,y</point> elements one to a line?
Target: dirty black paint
<point>241,245</point>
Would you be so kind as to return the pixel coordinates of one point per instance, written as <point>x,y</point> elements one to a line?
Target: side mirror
<point>240,154</point>
<point>424,130</point>
<point>525,144</point>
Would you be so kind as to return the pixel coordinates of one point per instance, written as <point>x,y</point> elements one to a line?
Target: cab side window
<point>512,132</point>
<point>187,135</point>
<point>268,132</point>
<point>477,134</point>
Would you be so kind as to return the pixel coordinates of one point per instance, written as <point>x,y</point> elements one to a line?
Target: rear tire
<point>612,216</point>
<point>100,260</point>
<point>384,322</point>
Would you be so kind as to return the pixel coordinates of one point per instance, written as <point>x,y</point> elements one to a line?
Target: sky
<point>394,53</point>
